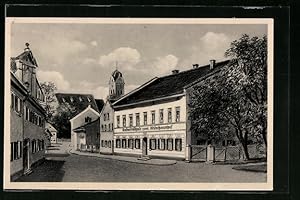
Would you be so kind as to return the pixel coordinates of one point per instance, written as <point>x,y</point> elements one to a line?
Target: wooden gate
<point>198,152</point>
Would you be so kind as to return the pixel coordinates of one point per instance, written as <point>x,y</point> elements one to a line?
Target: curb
<point>75,153</point>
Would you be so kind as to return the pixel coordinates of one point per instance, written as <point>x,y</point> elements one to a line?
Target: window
<point>118,121</point>
<point>15,150</point>
<point>124,143</point>
<point>161,116</point>
<point>170,144</point>
<point>177,114</point>
<point>15,103</point>
<point>108,127</point>
<point>153,117</point>
<point>105,127</point>
<point>162,145</point>
<point>118,143</point>
<point>102,143</point>
<point>43,145</point>
<point>63,99</point>
<point>130,120</point>
<point>107,116</point>
<point>124,120</point>
<point>137,119</point>
<point>137,143</point>
<point>145,118</point>
<point>89,100</point>
<point>178,144</point>
<point>33,146</point>
<point>11,151</point>
<point>130,143</point>
<point>104,116</point>
<point>80,99</point>
<point>152,144</point>
<point>102,127</point>
<point>170,115</point>
<point>109,144</point>
<point>105,143</point>
<point>12,101</point>
<point>71,99</point>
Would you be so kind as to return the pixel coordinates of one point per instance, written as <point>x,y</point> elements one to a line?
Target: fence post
<point>188,153</point>
<point>210,154</point>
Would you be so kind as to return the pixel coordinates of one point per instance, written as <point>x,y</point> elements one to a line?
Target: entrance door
<point>144,149</point>
<point>26,155</point>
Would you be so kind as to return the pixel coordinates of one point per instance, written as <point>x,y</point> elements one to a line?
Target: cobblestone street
<point>60,166</point>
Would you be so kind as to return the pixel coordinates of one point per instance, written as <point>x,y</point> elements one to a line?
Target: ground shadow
<point>48,171</point>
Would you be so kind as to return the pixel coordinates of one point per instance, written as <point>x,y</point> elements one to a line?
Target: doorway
<point>144,148</point>
<point>26,155</point>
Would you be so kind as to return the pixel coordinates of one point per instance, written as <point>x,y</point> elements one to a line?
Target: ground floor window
<point>130,143</point>
<point>137,143</point>
<point>162,145</point>
<point>124,143</point>
<point>178,144</point>
<point>170,144</point>
<point>105,143</point>
<point>109,144</point>
<point>118,143</point>
<point>102,143</point>
<point>15,150</point>
<point>152,144</point>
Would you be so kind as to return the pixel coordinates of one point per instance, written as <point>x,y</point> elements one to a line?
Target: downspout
<point>23,128</point>
<point>187,145</point>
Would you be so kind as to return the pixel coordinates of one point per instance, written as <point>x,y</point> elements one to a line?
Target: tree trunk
<point>245,149</point>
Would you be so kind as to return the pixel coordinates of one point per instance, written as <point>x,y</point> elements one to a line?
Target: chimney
<point>212,64</point>
<point>175,71</point>
<point>195,66</point>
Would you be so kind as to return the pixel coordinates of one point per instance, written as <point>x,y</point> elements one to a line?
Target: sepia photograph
<point>135,103</point>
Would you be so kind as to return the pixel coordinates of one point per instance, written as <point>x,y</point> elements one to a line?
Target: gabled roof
<point>85,110</point>
<point>166,86</point>
<point>83,127</point>
<point>78,101</point>
<point>27,58</point>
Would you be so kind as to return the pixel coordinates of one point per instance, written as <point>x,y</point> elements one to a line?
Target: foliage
<point>49,89</point>
<point>61,119</point>
<point>234,99</point>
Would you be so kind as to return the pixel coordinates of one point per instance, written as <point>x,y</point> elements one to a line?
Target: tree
<point>49,89</point>
<point>251,76</point>
<point>61,119</point>
<point>234,98</point>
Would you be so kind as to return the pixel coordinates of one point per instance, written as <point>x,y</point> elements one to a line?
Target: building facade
<point>27,137</point>
<point>153,120</point>
<point>85,131</point>
<point>116,90</point>
<point>52,133</point>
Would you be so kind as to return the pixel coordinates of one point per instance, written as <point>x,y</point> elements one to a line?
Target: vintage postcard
<point>138,104</point>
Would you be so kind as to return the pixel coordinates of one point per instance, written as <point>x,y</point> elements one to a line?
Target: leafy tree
<point>61,119</point>
<point>49,89</point>
<point>251,76</point>
<point>234,98</point>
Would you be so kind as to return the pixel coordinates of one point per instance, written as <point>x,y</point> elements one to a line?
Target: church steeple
<point>116,85</point>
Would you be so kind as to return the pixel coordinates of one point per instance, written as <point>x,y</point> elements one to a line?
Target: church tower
<point>116,85</point>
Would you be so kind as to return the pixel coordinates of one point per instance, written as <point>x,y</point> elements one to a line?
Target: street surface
<point>62,166</point>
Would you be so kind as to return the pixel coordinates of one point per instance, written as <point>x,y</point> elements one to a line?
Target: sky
<point>79,58</point>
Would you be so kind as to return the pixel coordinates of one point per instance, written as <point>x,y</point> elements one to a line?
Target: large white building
<point>153,120</point>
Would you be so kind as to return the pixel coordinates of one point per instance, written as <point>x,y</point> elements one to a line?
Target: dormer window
<point>71,99</point>
<point>89,100</point>
<point>80,99</point>
<point>63,99</point>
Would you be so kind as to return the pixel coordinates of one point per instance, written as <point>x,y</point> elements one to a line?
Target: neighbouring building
<point>52,133</point>
<point>153,121</point>
<point>27,116</point>
<point>84,129</point>
<point>116,90</point>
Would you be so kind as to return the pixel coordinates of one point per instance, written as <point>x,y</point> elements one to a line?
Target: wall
<point>32,131</point>
<point>158,130</point>
<point>93,133</point>
<point>106,135</point>
<point>16,134</point>
<point>79,120</point>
